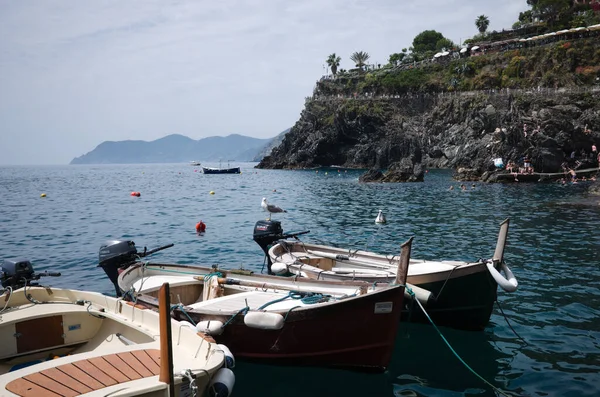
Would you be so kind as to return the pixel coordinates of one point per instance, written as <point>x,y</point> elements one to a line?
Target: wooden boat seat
<point>86,375</point>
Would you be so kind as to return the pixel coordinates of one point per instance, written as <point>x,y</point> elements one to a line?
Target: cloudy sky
<point>76,73</point>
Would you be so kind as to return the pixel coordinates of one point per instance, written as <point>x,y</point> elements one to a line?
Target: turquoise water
<point>553,249</point>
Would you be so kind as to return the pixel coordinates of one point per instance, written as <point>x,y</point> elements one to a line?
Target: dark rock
<point>371,176</point>
<point>594,188</point>
<point>467,174</point>
<point>463,131</point>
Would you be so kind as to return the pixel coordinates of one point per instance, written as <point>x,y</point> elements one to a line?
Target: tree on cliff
<point>333,61</point>
<point>360,58</point>
<point>397,58</point>
<point>551,10</point>
<point>430,40</point>
<point>482,22</point>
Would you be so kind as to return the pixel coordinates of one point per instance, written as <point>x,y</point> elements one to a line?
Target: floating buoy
<point>200,227</point>
<point>43,195</point>
<point>136,194</point>
<point>211,192</point>
<point>380,217</point>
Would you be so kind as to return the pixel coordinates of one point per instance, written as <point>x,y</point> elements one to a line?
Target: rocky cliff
<point>443,130</point>
<point>461,113</point>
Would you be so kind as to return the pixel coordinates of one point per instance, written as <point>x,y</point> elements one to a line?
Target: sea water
<point>553,249</point>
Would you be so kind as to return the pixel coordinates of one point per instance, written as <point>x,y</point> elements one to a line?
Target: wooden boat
<point>220,170</point>
<point>281,320</point>
<point>61,342</point>
<point>455,294</point>
<point>232,170</point>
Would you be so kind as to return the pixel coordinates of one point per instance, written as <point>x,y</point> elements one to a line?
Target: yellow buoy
<point>212,192</point>
<point>43,195</point>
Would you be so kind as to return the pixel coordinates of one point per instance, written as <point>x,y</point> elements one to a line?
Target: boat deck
<point>252,299</point>
<point>88,375</point>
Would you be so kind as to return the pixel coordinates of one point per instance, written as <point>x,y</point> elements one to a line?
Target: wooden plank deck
<point>87,375</point>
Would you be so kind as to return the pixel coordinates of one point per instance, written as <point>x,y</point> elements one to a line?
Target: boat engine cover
<point>267,232</point>
<point>13,272</point>
<point>117,253</point>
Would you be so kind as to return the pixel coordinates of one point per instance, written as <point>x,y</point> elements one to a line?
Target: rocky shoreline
<point>398,137</point>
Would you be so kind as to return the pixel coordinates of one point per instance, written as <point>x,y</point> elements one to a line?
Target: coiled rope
<point>308,298</point>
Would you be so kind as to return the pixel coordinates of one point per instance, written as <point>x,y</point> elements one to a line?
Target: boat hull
<point>346,334</point>
<point>463,294</point>
<point>234,170</point>
<point>464,302</point>
<point>355,328</point>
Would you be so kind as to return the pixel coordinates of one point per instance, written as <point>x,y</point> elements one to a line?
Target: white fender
<point>421,294</point>
<point>229,359</point>
<point>210,327</point>
<point>508,283</point>
<point>279,268</point>
<point>263,320</point>
<point>222,383</point>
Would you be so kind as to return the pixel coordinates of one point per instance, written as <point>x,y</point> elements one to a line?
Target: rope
<point>211,275</point>
<point>288,312</point>
<point>10,292</point>
<point>308,298</point>
<point>508,323</point>
<point>244,310</point>
<point>497,390</point>
<point>180,307</point>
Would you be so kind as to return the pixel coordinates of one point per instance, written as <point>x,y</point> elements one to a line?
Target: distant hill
<point>175,149</point>
<point>273,143</point>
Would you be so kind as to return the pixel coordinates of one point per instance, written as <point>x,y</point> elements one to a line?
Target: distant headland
<point>178,148</point>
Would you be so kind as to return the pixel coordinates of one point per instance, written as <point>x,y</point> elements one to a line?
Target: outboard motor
<point>19,273</point>
<point>268,232</point>
<point>114,255</point>
<point>119,254</point>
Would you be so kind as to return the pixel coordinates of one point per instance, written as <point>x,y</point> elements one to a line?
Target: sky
<point>75,73</point>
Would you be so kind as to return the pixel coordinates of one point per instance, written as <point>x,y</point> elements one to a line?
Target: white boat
<point>456,294</point>
<point>275,319</point>
<point>62,342</point>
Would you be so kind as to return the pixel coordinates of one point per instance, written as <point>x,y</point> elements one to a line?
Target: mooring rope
<point>508,323</point>
<point>496,389</point>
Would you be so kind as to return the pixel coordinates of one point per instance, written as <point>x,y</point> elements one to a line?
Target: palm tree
<point>482,22</point>
<point>333,61</point>
<point>360,59</point>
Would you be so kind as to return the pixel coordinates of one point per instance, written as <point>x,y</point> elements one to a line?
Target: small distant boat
<point>209,170</point>
<point>195,163</point>
<point>62,342</point>
<point>228,170</point>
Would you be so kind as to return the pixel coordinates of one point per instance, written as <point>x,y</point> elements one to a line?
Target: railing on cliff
<point>546,91</point>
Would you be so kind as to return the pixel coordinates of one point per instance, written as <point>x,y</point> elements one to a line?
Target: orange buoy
<point>200,227</point>
<point>136,194</point>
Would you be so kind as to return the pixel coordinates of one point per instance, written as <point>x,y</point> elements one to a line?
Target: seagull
<point>270,207</point>
<point>380,217</point>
